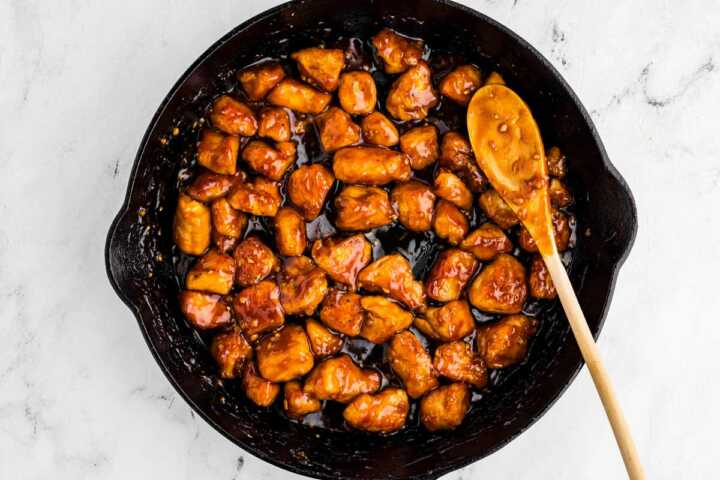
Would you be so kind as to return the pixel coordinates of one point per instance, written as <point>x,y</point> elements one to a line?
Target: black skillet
<point>144,271</point>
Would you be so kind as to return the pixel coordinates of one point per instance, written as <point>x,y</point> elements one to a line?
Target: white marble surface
<point>81,396</point>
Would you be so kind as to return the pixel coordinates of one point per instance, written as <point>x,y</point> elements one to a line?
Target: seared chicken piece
<point>307,188</point>
<point>561,225</point>
<point>226,220</point>
<point>486,242</point>
<point>500,287</point>
<point>320,66</point>
<point>379,130</point>
<point>343,312</point>
<point>284,355</point>
<point>357,93</point>
<point>505,343</point>
<point>258,310</point>
<point>555,163</point>
<point>456,361</point>
<point>397,52</point>
<point>412,95</point>
<point>414,203</point>
<point>451,188</point>
<point>452,321</point>
<point>370,165</point>
<point>290,236</point>
<point>421,145</point>
<point>362,208</point>
<point>337,130</point>
<point>412,363</point>
<point>494,79</point>
<point>214,273</point>
<point>191,227</point>
<point>299,97</point>
<point>449,275</point>
<point>255,261</point>
<point>259,196</point>
<point>209,185</point>
<point>233,117</point>
<point>393,276</point>
<point>256,388</point>
<point>258,80</point>
<point>339,379</point>
<point>302,286</point>
<point>297,403</point>
<point>275,124</point>
<point>457,156</point>
<point>230,351</point>
<point>560,196</point>
<point>541,284</point>
<point>383,412</point>
<point>445,408</point>
<point>460,84</point>
<point>205,310</point>
<point>383,319</point>
<point>218,152</point>
<point>269,161</point>
<point>450,223</point>
<point>322,340</point>
<point>497,210</point>
<point>342,257</point>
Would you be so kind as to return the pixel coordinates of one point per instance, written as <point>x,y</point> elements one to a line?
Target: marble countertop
<point>80,394</point>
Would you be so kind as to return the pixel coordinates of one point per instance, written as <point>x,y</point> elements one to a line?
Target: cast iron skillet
<point>140,261</point>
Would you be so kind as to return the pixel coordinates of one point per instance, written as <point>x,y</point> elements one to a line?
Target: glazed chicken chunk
<point>421,145</point>
<point>497,210</point>
<point>460,84</point>
<point>362,208</point>
<point>450,223</point>
<point>297,403</point>
<point>337,130</point>
<point>191,227</point>
<point>451,188</point>
<point>218,152</point>
<point>342,258</point>
<point>322,340</point>
<point>560,196</point>
<point>541,285</point>
<point>255,261</point>
<point>308,187</point>
<point>272,162</point>
<point>383,319</point>
<point>379,130</point>
<point>233,117</point>
<point>449,322</point>
<point>210,186</point>
<point>230,351</point>
<point>275,124</point>
<point>343,312</point>
<point>226,220</point>
<point>555,163</point>
<point>341,380</point>
<point>383,412</point>
<point>320,66</point>
<point>213,273</point>
<point>412,95</point>
<point>260,391</point>
<point>302,286</point>
<point>258,80</point>
<point>561,225</point>
<point>393,276</point>
<point>258,310</point>
<point>290,236</point>
<point>505,343</point>
<point>414,203</point>
<point>500,287</point>
<point>445,408</point>
<point>456,361</point>
<point>223,243</point>
<point>412,363</point>
<point>457,156</point>
<point>357,93</point>
<point>370,166</point>
<point>299,97</point>
<point>285,355</point>
<point>449,275</point>
<point>486,242</point>
<point>397,52</point>
<point>205,310</point>
<point>258,196</point>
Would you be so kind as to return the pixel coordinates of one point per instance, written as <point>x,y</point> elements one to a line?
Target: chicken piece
<point>500,287</point>
<point>213,273</point>
<point>362,208</point>
<point>457,156</point>
<point>370,166</point>
<point>379,130</point>
<point>302,286</point>
<point>383,319</point>
<point>290,236</point>
<point>397,52</point>
<point>275,124</point>
<point>414,203</point>
<point>541,284</point>
<point>191,227</point>
<point>341,380</point>
<point>449,275</point>
<point>230,351</point>
<point>259,196</point>
<point>460,84</point>
<point>412,363</point>
<point>343,312</point>
<point>383,412</point>
<point>218,152</point>
<point>323,342</point>
<point>486,242</point>
<point>446,407</point>
<point>204,310</point>
<point>494,79</point>
<point>226,220</point>
<point>497,210</point>
<point>233,117</point>
<point>255,261</point>
<point>450,223</point>
<point>337,130</point>
<point>258,80</point>
<point>421,145</point>
<point>298,97</point>
<point>343,258</point>
<point>269,161</point>
<point>456,361</point>
<point>285,355</point>
<point>452,321</point>
<point>451,188</point>
<point>308,187</point>
<point>223,243</point>
<point>357,93</point>
<point>210,186</point>
<point>297,403</point>
<point>260,391</point>
<point>505,343</point>
<point>258,310</point>
<point>412,95</point>
<point>320,66</point>
<point>560,196</point>
<point>556,164</point>
<point>393,276</point>
<point>561,226</point>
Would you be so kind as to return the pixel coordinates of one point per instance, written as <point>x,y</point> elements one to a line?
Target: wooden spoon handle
<point>599,374</point>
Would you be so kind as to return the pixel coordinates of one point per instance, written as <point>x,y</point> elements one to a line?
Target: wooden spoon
<point>509,149</point>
